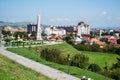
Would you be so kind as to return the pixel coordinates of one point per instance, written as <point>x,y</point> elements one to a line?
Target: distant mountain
<point>16,24</point>
<point>1,22</point>
<point>106,28</point>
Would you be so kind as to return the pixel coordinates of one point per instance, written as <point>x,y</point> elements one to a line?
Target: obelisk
<point>38,36</point>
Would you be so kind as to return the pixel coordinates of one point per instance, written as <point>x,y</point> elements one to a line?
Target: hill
<point>10,70</point>
<point>94,57</point>
<point>97,58</point>
<point>16,24</point>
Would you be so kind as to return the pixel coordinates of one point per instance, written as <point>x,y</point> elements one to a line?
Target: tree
<point>94,67</point>
<point>116,74</point>
<point>6,33</point>
<point>95,47</point>
<point>117,65</point>
<point>52,54</point>
<point>21,34</point>
<point>7,40</point>
<point>117,50</point>
<point>118,41</point>
<point>104,40</point>
<point>80,60</point>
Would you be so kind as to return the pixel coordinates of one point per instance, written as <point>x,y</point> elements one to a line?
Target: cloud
<point>118,18</point>
<point>104,13</point>
<point>52,20</point>
<point>59,19</point>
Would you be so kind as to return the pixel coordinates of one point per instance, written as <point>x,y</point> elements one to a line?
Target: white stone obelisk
<point>38,35</point>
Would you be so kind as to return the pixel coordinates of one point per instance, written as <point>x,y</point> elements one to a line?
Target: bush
<point>117,50</point>
<point>109,48</point>
<point>94,68</point>
<point>116,70</point>
<point>118,41</point>
<point>52,54</point>
<point>117,65</point>
<point>70,41</point>
<point>116,74</point>
<point>7,41</point>
<point>95,47</point>
<point>80,60</point>
<point>82,47</point>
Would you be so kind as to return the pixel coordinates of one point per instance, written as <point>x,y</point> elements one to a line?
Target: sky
<point>97,13</point>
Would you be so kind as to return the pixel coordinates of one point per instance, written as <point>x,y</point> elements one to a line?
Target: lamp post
<point>0,38</point>
<point>68,59</point>
<point>36,50</point>
<point>30,45</point>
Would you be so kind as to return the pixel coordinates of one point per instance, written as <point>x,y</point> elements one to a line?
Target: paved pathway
<point>45,70</point>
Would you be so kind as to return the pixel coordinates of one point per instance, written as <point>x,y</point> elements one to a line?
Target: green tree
<point>94,67</point>
<point>80,60</point>
<point>52,54</point>
<point>117,65</point>
<point>116,74</point>
<point>6,33</point>
<point>95,47</point>
<point>118,41</point>
<point>104,40</point>
<point>7,40</point>
<point>21,34</point>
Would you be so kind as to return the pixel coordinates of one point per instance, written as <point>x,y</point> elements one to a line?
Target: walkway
<point>45,70</point>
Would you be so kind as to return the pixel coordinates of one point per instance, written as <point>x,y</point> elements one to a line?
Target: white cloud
<point>59,19</point>
<point>52,20</point>
<point>118,18</point>
<point>104,13</point>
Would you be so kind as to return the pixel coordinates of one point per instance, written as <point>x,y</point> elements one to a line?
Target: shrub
<point>117,50</point>
<point>109,48</point>
<point>117,65</point>
<point>80,47</point>
<point>80,60</point>
<point>118,41</point>
<point>116,74</point>
<point>94,67</point>
<point>52,54</point>
<point>70,41</point>
<point>95,47</point>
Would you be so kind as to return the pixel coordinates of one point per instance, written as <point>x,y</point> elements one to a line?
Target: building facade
<point>83,29</point>
<point>35,29</point>
<point>55,30</point>
<point>31,29</point>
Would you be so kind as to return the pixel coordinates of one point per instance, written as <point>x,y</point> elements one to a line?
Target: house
<point>54,30</point>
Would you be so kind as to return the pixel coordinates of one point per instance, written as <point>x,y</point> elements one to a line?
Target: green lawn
<point>64,47</point>
<point>10,70</point>
<point>94,57</point>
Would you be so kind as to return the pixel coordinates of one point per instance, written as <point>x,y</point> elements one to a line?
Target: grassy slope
<point>73,70</point>
<point>94,57</point>
<point>10,70</point>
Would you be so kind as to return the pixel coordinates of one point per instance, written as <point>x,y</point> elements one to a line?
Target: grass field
<point>94,57</point>
<point>10,70</point>
<point>66,49</point>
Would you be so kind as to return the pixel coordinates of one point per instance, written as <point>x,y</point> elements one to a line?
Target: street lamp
<point>68,60</point>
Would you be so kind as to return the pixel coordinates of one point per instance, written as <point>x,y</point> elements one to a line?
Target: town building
<point>35,29</point>
<point>83,29</point>
<point>54,30</point>
<point>31,29</point>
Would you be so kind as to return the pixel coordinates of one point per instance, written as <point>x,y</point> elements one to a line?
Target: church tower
<point>38,35</point>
